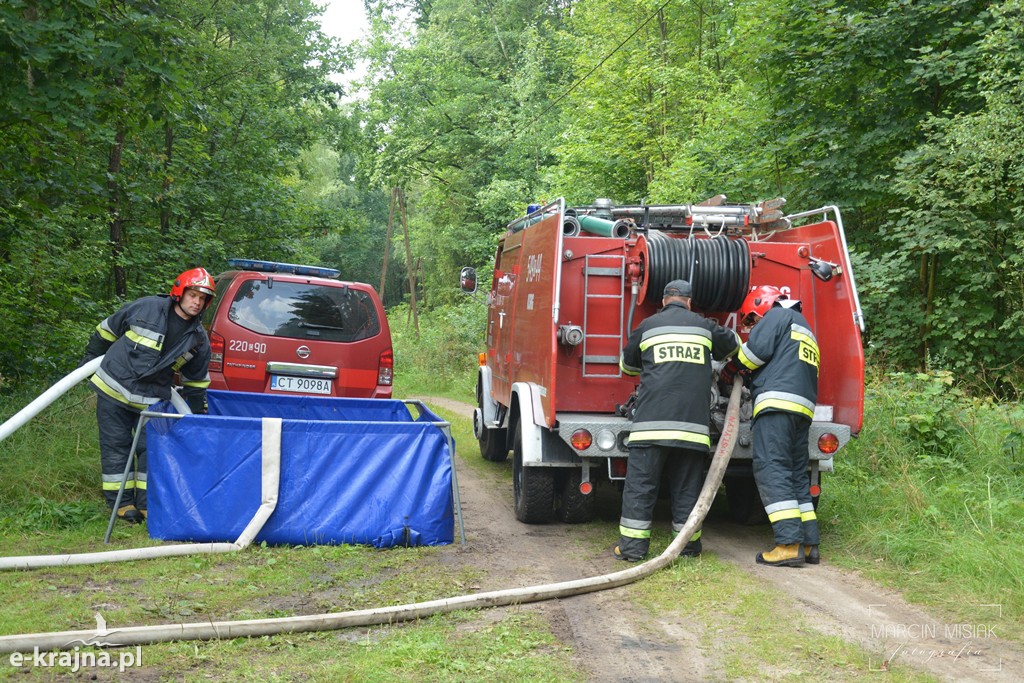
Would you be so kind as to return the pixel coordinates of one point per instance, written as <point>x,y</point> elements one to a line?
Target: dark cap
<point>678,288</point>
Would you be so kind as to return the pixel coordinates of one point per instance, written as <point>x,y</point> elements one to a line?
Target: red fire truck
<point>570,283</point>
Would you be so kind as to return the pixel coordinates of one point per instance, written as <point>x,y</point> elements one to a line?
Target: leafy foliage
<point>142,138</point>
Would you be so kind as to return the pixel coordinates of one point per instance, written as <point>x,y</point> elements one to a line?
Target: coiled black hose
<point>717,268</point>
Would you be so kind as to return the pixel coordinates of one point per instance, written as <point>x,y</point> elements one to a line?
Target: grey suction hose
<point>141,635</point>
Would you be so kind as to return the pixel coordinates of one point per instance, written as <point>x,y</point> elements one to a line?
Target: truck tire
<point>571,506</point>
<point>493,442</point>
<point>745,504</point>
<point>533,488</point>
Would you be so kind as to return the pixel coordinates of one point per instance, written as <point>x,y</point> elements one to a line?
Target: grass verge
<point>929,500</point>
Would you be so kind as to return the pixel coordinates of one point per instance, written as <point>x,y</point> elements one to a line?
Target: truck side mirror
<point>467,280</point>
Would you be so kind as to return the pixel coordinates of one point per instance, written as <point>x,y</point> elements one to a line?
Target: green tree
<point>141,138</point>
<point>455,118</point>
<point>958,241</point>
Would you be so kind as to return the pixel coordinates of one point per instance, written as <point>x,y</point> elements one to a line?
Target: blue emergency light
<point>277,267</point>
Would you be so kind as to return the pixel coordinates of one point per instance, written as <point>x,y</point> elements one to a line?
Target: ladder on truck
<point>604,282</point>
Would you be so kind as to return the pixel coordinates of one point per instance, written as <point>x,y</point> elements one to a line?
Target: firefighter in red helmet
<point>781,353</point>
<point>143,344</point>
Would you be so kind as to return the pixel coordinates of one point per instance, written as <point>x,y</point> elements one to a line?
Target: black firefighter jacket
<point>783,353</point>
<point>137,370</point>
<point>672,351</point>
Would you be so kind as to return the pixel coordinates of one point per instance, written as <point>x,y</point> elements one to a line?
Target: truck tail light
<point>216,352</point>
<point>581,439</point>
<point>386,368</point>
<point>828,443</point>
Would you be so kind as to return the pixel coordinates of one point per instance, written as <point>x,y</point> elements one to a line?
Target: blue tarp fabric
<point>352,471</point>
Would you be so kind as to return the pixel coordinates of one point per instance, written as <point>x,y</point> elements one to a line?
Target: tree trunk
<point>387,244</point>
<point>165,205</point>
<point>409,264</point>
<point>116,218</point>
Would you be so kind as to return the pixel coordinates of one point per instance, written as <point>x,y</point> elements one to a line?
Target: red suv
<point>280,327</point>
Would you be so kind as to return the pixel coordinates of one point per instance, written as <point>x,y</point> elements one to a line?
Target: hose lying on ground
<point>141,635</point>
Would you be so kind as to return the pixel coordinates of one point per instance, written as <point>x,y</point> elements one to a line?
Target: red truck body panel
<point>547,279</point>
<point>563,300</point>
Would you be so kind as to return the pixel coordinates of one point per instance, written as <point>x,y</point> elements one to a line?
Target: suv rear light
<point>386,368</point>
<point>216,352</point>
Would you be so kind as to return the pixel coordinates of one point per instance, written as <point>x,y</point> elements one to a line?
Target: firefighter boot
<point>791,555</point>
<point>812,555</point>
<point>691,549</point>
<point>619,556</point>
<point>130,514</point>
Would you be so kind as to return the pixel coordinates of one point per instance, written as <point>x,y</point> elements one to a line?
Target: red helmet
<point>760,300</point>
<point>198,279</point>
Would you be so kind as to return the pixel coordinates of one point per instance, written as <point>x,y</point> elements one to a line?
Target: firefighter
<point>144,344</point>
<point>781,352</point>
<point>672,352</point>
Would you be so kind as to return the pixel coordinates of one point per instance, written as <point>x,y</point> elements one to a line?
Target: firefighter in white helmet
<point>143,345</point>
<point>782,353</point>
<point>672,352</point>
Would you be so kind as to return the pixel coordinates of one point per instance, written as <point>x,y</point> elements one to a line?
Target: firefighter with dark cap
<point>781,353</point>
<point>143,344</point>
<point>672,352</point>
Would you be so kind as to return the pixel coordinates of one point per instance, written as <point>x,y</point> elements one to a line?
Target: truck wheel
<point>493,442</point>
<point>571,506</point>
<point>533,488</point>
<point>745,504</point>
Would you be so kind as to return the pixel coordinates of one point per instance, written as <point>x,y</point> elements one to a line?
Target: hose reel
<point>718,268</point>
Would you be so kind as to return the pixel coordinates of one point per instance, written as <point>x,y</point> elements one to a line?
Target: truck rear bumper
<point>608,440</point>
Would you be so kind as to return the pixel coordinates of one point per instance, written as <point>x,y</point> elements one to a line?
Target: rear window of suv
<point>304,311</point>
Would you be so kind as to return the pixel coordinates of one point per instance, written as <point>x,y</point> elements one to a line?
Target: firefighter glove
<point>727,373</point>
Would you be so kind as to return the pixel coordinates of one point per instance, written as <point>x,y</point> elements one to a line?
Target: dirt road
<point>614,640</point>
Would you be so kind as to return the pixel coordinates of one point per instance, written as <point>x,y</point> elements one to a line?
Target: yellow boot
<point>791,555</point>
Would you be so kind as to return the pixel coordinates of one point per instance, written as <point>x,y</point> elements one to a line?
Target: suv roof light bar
<point>277,267</point>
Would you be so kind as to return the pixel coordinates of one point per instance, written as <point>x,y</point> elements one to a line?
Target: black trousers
<point>780,470</point>
<point>685,470</point>
<point>117,425</point>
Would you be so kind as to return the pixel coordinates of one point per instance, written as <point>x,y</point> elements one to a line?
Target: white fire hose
<point>141,635</point>
<point>44,399</point>
<point>270,484</point>
<point>271,477</point>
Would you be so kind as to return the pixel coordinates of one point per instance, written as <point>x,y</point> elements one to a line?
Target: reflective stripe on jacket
<point>783,353</point>
<point>672,352</point>
<point>137,370</point>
